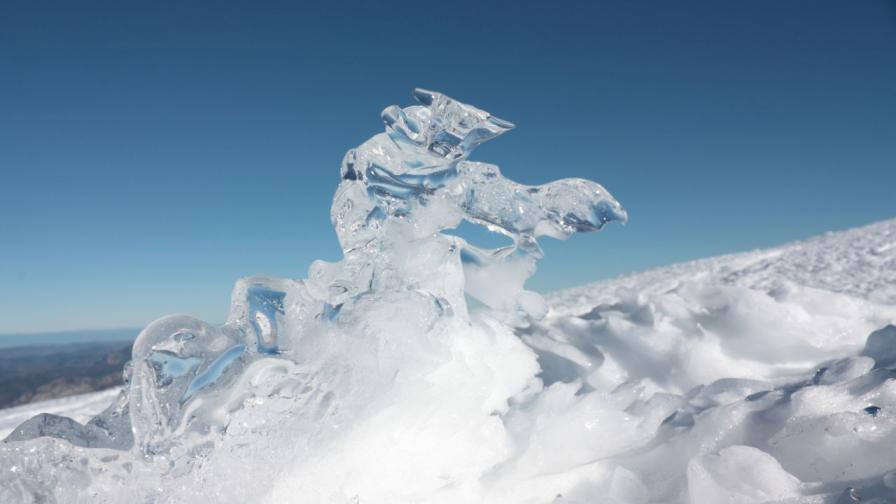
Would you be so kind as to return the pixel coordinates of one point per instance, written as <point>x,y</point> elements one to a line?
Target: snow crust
<point>759,377</point>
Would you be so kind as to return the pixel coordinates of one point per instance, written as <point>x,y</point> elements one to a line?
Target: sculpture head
<point>441,125</point>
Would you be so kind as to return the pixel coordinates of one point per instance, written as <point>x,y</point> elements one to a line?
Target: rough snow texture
<point>758,377</point>
<point>745,378</point>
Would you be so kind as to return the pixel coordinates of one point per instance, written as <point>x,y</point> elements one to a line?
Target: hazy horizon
<point>10,340</point>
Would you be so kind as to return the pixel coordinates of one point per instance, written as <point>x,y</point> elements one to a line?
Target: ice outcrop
<point>299,360</point>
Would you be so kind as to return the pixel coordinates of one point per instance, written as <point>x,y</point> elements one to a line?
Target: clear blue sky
<point>153,152</point>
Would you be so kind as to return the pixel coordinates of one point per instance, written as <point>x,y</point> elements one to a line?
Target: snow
<point>757,377</point>
<point>749,331</point>
<point>81,408</point>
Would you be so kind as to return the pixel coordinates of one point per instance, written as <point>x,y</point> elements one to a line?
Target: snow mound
<point>758,377</point>
<point>81,408</point>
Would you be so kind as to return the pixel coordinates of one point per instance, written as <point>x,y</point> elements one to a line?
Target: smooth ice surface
<point>757,377</point>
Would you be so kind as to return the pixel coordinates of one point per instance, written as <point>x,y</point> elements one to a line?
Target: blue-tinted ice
<point>398,191</point>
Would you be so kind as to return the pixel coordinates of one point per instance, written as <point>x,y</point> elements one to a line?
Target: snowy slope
<point>80,408</point>
<point>859,261</point>
<point>768,311</point>
<point>743,378</point>
<point>761,360</point>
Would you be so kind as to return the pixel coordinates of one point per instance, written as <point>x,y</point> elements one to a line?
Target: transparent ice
<point>300,359</point>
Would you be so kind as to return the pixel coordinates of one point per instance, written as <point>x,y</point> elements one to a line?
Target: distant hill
<point>61,337</point>
<point>39,372</point>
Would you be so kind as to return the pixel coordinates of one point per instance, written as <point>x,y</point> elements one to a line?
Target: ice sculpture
<point>398,190</point>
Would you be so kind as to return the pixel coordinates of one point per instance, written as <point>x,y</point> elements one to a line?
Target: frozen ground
<point>737,379</point>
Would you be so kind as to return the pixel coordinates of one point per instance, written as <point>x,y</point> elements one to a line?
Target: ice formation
<point>300,361</point>
<point>764,377</point>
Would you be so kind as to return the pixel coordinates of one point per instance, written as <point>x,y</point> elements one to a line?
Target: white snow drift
<point>641,389</point>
